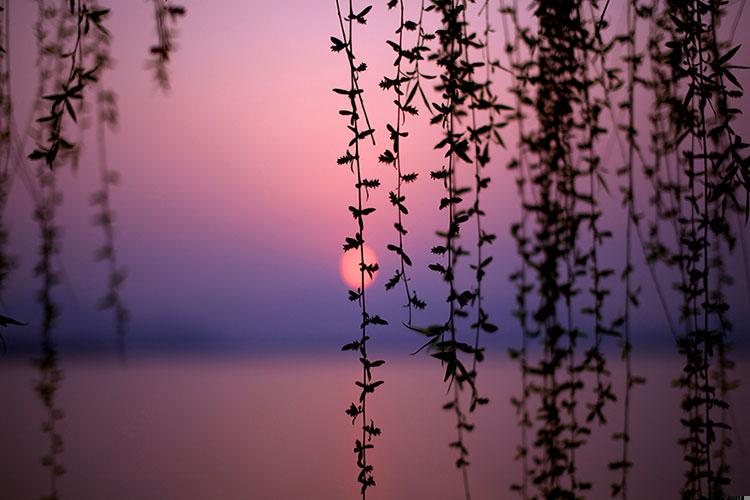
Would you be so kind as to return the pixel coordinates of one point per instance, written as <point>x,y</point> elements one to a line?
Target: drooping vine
<point>50,374</point>
<point>481,100</point>
<point>393,155</point>
<point>558,156</point>
<point>72,52</point>
<point>513,37</point>
<point>716,177</point>
<point>592,105</point>
<point>456,88</point>
<point>106,118</point>
<point>6,262</point>
<point>698,165</point>
<point>65,72</point>
<point>632,60</point>
<point>726,141</point>
<point>356,242</point>
<point>52,72</point>
<point>86,18</point>
<point>166,15</point>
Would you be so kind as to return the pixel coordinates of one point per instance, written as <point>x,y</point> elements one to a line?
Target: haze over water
<point>267,428</point>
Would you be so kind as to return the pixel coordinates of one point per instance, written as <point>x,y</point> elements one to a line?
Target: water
<point>275,428</point>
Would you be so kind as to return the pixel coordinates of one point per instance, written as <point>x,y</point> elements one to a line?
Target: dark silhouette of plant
<point>553,162</point>
<point>392,156</point>
<point>416,74</point>
<point>457,89</point>
<point>106,117</point>
<point>632,60</point>
<point>166,15</point>
<point>367,385</point>
<point>519,71</point>
<point>563,73</point>
<point>550,464</point>
<point>726,141</point>
<point>481,100</point>
<point>101,199</point>
<point>72,53</point>
<point>50,374</point>
<point>698,176</point>
<point>52,70</point>
<point>6,262</point>
<point>715,176</point>
<point>87,18</point>
<point>592,104</point>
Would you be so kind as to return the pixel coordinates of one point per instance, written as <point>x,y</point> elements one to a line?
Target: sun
<point>349,267</point>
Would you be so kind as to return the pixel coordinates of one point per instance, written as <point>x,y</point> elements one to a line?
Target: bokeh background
<point>231,210</point>
<point>230,216</point>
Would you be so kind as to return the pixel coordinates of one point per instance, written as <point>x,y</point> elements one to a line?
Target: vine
<point>6,262</point>
<point>72,53</point>
<point>106,117</point>
<point>557,69</point>
<point>367,385</point>
<point>47,197</point>
<point>456,87</point>
<point>166,15</point>
<point>591,107</point>
<point>392,156</point>
<point>481,99</point>
<point>712,179</point>
<point>51,375</point>
<point>632,60</point>
<point>518,231</point>
<point>72,86</point>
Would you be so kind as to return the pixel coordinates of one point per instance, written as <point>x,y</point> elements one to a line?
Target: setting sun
<point>349,267</point>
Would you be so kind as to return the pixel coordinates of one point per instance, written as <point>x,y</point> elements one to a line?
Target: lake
<point>273,427</point>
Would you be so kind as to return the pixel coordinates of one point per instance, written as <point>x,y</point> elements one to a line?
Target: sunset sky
<point>230,217</point>
<point>231,211</point>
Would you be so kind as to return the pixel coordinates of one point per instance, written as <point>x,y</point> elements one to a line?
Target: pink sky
<point>232,210</point>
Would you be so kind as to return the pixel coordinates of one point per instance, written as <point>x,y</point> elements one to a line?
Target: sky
<point>231,210</point>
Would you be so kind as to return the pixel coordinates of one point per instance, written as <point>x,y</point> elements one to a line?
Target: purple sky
<point>231,211</point>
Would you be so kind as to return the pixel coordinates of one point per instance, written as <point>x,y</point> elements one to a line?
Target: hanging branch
<point>724,364</point>
<point>665,173</point>
<point>357,242</point>
<point>481,99</point>
<point>611,82</point>
<point>518,163</point>
<point>632,60</point>
<point>561,153</point>
<point>6,262</point>
<point>392,156</point>
<point>667,93</point>
<point>416,75</point>
<point>456,86</point>
<point>716,178</point>
<point>73,86</point>
<point>688,56</point>
<point>106,117</point>
<point>571,53</point>
<point>51,375</point>
<point>52,69</point>
<point>542,255</point>
<point>166,15</point>
<point>591,106</point>
<point>726,141</point>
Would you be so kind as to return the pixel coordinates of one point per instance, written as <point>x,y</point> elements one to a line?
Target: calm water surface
<point>275,428</point>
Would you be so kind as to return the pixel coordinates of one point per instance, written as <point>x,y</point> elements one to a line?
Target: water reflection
<point>274,428</point>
